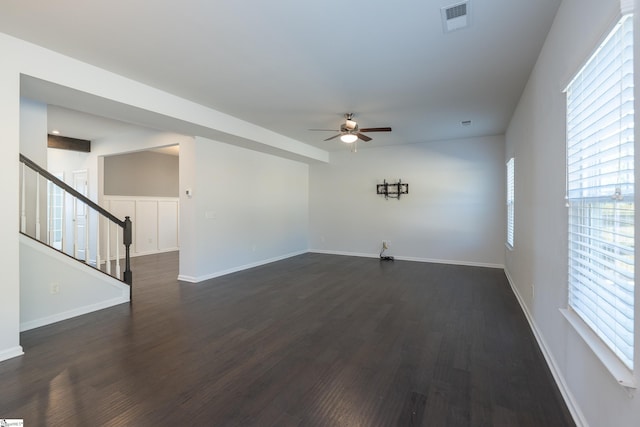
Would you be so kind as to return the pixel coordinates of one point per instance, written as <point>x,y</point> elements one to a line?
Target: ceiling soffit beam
<point>248,135</point>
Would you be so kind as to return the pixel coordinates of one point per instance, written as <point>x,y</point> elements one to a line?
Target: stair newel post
<point>127,239</point>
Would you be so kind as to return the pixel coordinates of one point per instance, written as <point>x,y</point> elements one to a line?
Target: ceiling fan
<point>350,132</point>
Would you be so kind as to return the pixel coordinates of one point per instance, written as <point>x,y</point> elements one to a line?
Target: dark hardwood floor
<point>314,340</point>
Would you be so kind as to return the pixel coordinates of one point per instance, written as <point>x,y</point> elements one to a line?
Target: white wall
<point>537,266</point>
<point>247,208</point>
<point>33,144</point>
<point>67,161</point>
<point>454,211</point>
<point>80,290</point>
<point>9,216</point>
<point>33,130</point>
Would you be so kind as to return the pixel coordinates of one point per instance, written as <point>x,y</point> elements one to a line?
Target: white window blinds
<point>510,200</point>
<point>600,191</point>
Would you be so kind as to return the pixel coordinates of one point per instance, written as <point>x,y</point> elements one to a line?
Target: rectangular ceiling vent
<point>455,17</point>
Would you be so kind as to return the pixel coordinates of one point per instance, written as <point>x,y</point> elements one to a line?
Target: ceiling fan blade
<point>335,136</point>
<point>365,138</point>
<point>327,130</point>
<point>387,129</point>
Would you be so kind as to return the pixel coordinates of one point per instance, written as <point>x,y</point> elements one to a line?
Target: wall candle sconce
<point>392,190</point>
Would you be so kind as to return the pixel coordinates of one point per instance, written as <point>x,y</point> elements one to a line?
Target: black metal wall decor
<point>392,190</point>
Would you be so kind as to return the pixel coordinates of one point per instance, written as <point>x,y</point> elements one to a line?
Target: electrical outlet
<point>54,288</point>
<point>386,244</point>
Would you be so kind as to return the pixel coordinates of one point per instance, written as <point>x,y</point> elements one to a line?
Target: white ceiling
<point>81,125</point>
<point>290,66</point>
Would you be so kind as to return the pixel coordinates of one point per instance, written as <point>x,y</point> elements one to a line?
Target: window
<point>600,192</point>
<point>510,201</point>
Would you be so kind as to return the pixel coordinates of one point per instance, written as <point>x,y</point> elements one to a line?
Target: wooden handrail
<point>66,187</point>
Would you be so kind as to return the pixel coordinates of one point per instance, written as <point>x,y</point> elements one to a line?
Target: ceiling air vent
<point>455,17</point>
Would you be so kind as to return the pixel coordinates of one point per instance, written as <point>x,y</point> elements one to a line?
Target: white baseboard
<point>32,324</point>
<point>452,262</point>
<point>197,279</point>
<point>415,259</point>
<point>158,251</point>
<point>574,409</point>
<point>10,353</point>
<point>137,254</point>
<point>344,253</point>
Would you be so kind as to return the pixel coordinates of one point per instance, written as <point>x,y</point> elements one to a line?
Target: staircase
<point>59,216</point>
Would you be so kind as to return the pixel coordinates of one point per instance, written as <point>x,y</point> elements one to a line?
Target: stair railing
<point>107,224</point>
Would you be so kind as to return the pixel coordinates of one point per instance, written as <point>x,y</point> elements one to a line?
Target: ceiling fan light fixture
<point>350,132</point>
<point>348,138</point>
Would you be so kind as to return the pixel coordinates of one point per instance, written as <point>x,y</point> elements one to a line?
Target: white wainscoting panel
<point>146,229</point>
<point>155,223</point>
<point>168,214</point>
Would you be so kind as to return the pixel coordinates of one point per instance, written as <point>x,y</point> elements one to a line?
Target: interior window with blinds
<point>510,201</point>
<point>600,191</point>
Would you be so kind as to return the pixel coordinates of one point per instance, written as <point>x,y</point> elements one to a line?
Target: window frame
<point>590,207</point>
<point>510,199</point>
